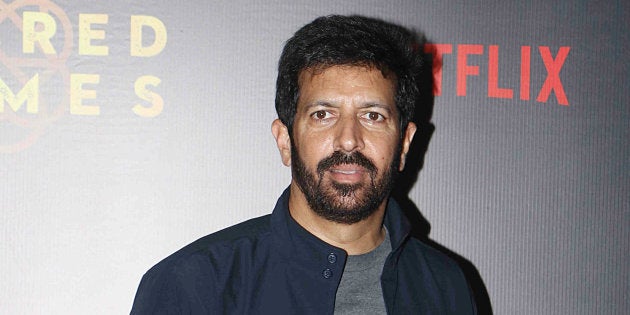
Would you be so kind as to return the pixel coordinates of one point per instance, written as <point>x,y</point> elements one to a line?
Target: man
<point>335,242</point>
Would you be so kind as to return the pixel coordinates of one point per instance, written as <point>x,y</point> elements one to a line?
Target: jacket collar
<point>300,244</point>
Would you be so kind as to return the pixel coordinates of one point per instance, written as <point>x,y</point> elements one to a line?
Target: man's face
<point>346,147</point>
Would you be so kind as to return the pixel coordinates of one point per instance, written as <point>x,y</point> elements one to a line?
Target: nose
<point>348,135</point>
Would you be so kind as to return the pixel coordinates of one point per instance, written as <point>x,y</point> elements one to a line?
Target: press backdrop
<point>130,128</point>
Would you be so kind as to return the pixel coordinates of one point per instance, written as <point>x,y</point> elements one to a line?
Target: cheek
<point>383,149</point>
<point>313,148</point>
<point>381,161</point>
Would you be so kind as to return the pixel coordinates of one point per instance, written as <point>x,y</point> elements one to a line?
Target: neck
<point>357,238</point>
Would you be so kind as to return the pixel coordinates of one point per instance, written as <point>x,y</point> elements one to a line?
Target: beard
<point>339,202</point>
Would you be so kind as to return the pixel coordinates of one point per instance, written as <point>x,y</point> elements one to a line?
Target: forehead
<point>340,82</point>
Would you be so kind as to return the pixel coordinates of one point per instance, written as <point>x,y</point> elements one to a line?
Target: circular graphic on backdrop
<point>20,129</point>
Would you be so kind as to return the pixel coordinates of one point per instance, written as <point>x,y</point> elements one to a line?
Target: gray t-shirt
<point>360,289</point>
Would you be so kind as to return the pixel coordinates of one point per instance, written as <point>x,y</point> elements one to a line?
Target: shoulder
<point>439,269</point>
<point>247,232</point>
<point>436,258</point>
<point>201,266</point>
<point>438,261</point>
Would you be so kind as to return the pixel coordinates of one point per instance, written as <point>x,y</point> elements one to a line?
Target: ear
<point>283,141</point>
<point>410,131</point>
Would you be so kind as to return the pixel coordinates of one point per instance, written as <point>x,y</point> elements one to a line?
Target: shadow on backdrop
<point>414,163</point>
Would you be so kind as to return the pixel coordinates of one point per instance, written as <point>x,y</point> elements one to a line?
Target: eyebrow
<point>320,103</point>
<point>378,105</point>
<point>362,106</point>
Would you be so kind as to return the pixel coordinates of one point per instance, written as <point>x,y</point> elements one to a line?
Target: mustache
<point>338,158</point>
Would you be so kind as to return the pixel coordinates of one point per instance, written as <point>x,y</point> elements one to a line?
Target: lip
<point>347,173</point>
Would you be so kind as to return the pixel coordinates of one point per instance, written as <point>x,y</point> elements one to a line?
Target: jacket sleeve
<point>185,286</point>
<point>158,293</point>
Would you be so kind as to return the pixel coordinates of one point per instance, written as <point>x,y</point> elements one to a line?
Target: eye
<point>374,116</point>
<point>321,114</point>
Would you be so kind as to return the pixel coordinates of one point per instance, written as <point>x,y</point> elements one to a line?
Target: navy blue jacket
<point>271,265</point>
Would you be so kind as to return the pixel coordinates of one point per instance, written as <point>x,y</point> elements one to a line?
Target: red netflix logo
<point>553,65</point>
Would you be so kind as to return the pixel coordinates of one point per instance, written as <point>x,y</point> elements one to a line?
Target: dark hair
<point>353,40</point>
